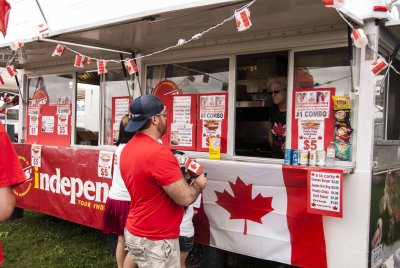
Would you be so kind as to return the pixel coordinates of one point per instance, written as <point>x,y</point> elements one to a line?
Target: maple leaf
<point>279,130</point>
<point>241,206</point>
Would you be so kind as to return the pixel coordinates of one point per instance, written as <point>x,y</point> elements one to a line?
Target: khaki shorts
<point>152,253</point>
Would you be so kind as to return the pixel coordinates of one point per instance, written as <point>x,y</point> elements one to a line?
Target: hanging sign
<point>213,120</point>
<point>119,108</point>
<point>325,191</point>
<point>183,122</point>
<point>312,119</point>
<point>105,164</point>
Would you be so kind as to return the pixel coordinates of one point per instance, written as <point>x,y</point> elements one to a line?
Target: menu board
<point>212,120</point>
<point>325,191</point>
<point>119,108</point>
<point>312,118</point>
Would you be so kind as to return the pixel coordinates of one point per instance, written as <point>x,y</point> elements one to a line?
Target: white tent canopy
<point>74,15</point>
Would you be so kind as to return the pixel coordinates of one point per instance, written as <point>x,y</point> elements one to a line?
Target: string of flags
<point>359,37</point>
<point>241,15</point>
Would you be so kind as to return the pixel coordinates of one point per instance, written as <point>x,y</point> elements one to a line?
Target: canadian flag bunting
<point>11,70</point>
<point>380,6</point>
<point>131,67</point>
<point>246,205</point>
<point>59,50</point>
<point>333,3</point>
<point>43,29</point>
<point>16,45</point>
<point>1,81</point>
<point>379,65</point>
<point>79,61</point>
<point>101,67</point>
<point>243,21</point>
<point>88,61</point>
<point>193,167</point>
<point>359,38</point>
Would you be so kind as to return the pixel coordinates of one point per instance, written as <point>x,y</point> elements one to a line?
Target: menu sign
<point>312,118</point>
<point>325,191</point>
<point>120,107</point>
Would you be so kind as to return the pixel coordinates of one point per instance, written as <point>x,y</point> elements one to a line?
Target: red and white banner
<point>243,21</point>
<point>101,67</point>
<point>131,67</point>
<point>79,61</point>
<point>66,184</point>
<point>246,205</point>
<point>58,51</point>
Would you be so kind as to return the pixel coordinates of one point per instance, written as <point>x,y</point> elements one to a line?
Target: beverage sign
<point>325,191</point>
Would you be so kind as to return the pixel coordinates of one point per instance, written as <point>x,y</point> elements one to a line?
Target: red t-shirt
<point>146,166</point>
<point>10,168</point>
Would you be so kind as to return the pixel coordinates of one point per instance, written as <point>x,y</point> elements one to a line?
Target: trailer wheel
<point>18,213</point>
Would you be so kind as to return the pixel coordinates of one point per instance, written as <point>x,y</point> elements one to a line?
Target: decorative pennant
<point>43,29</point>
<point>131,67</point>
<point>379,65</point>
<point>88,61</point>
<point>58,51</point>
<point>11,70</point>
<point>380,6</point>
<point>359,38</point>
<point>16,45</point>
<point>243,21</point>
<point>79,61</point>
<point>101,67</point>
<point>4,15</point>
<point>333,3</point>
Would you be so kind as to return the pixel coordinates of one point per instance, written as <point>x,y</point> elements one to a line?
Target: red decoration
<point>11,70</point>
<point>16,45</point>
<point>131,66</point>
<point>43,29</point>
<point>58,51</point>
<point>4,14</point>
<point>241,206</point>
<point>243,21</point>
<point>379,65</point>
<point>359,38</point>
<point>101,66</point>
<point>1,81</point>
<point>79,61</point>
<point>333,3</point>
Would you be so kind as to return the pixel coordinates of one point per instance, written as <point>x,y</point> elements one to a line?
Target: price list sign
<point>325,191</point>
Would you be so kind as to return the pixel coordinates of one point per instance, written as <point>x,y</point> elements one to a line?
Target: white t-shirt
<point>186,227</point>
<point>118,189</point>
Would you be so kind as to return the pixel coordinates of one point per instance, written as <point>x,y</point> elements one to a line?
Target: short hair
<point>277,80</point>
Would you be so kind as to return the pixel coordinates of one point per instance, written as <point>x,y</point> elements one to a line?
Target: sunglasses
<point>274,92</point>
<point>164,114</point>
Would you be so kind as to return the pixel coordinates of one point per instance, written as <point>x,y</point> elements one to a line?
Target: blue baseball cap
<point>142,108</point>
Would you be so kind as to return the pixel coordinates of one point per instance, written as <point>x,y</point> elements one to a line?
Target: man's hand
<point>184,194</point>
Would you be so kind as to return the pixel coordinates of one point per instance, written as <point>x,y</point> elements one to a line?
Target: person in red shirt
<point>11,174</point>
<point>157,188</point>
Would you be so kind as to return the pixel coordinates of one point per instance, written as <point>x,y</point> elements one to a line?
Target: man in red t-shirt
<point>11,174</point>
<point>155,183</point>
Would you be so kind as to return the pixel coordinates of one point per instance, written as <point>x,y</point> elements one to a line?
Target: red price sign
<point>310,145</point>
<point>104,172</point>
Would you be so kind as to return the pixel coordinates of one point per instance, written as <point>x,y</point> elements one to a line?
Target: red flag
<point>79,61</point>
<point>58,51</point>
<point>379,65</point>
<point>131,67</point>
<point>4,14</point>
<point>101,67</point>
<point>12,71</point>
<point>247,205</point>
<point>243,21</point>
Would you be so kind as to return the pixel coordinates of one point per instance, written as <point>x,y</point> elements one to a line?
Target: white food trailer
<point>306,41</point>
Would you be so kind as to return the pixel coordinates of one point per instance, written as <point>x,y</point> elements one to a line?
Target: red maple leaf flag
<point>260,210</point>
<point>250,209</point>
<point>4,14</point>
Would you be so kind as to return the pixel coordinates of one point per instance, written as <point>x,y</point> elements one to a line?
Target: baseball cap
<point>142,108</point>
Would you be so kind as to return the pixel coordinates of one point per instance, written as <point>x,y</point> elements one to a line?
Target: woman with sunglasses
<point>277,87</point>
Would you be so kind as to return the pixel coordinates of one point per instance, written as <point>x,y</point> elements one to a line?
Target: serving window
<point>196,97</point>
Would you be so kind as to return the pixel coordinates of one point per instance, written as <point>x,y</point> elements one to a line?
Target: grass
<point>38,240</point>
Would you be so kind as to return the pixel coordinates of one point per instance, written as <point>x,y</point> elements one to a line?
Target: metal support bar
<point>82,45</point>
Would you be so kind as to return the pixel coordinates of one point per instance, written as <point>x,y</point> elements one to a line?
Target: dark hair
<point>124,136</point>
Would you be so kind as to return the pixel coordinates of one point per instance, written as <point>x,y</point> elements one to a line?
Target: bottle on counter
<point>330,155</point>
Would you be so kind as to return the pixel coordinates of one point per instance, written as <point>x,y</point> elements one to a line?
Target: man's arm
<point>7,202</point>
<point>184,194</point>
